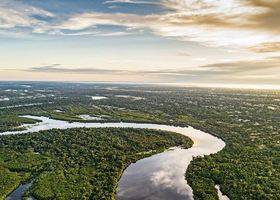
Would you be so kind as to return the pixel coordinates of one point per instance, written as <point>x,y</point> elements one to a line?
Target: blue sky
<point>200,42</point>
<point>74,6</point>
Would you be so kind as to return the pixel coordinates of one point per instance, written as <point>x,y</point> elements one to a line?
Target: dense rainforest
<point>77,163</point>
<point>247,120</point>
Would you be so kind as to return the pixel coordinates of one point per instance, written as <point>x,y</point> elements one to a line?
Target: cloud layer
<point>245,71</point>
<point>247,23</point>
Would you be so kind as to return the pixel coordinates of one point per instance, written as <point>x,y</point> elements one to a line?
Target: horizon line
<point>174,84</point>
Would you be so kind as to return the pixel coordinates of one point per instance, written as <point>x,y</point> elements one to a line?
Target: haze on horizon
<point>197,42</point>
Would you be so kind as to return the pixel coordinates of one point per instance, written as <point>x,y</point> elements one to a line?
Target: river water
<point>17,194</point>
<point>159,177</point>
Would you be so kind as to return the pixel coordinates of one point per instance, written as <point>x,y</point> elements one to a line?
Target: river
<point>159,177</point>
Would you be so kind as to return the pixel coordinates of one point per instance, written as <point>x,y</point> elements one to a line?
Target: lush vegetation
<point>247,120</point>
<point>77,163</point>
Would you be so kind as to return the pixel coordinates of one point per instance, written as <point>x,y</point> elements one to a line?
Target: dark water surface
<point>17,194</point>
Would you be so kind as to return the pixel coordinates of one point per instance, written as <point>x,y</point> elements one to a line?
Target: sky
<point>185,42</point>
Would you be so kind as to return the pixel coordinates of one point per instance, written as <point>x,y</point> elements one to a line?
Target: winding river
<point>159,177</point>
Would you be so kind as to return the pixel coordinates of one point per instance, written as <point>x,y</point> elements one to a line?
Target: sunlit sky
<point>195,42</point>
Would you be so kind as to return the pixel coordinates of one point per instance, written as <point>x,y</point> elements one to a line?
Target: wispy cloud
<point>131,2</point>
<point>267,47</point>
<point>57,68</point>
<point>245,66</point>
<point>15,15</point>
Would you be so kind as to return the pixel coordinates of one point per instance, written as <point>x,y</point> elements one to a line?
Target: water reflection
<point>155,178</point>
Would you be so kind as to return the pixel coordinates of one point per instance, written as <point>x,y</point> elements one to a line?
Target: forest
<point>247,120</point>
<point>77,163</point>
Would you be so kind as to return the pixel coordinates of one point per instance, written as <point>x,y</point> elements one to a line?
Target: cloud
<point>20,20</point>
<point>131,2</point>
<point>258,77</point>
<point>243,24</point>
<point>245,65</point>
<point>91,33</point>
<point>212,23</point>
<point>15,15</point>
<point>57,68</point>
<point>266,47</point>
<point>90,20</point>
<point>268,19</point>
<point>266,70</point>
